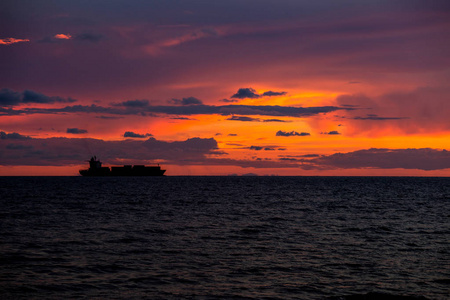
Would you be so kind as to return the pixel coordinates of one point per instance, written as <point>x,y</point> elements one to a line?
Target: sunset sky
<point>282,87</point>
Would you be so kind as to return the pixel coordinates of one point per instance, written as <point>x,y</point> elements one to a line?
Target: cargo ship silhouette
<point>96,169</point>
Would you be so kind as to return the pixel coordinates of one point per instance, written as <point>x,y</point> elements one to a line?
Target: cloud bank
<point>74,151</point>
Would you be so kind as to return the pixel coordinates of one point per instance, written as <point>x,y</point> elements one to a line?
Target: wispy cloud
<point>9,41</point>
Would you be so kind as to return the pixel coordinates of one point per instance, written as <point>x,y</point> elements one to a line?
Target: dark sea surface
<point>225,238</point>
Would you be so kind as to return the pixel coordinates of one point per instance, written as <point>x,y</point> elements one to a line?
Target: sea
<point>230,237</point>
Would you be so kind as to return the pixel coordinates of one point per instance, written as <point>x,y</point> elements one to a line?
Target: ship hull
<point>123,171</point>
<point>97,174</point>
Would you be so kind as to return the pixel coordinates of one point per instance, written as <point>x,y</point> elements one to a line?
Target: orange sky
<point>328,88</point>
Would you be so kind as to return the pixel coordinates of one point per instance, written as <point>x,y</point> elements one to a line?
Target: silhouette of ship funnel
<point>96,169</point>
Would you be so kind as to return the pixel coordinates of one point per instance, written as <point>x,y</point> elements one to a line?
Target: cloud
<point>229,100</point>
<point>421,110</point>
<point>62,36</point>
<point>334,132</point>
<point>374,117</point>
<point>265,148</point>
<point>249,119</point>
<point>9,41</point>
<point>244,119</point>
<point>292,133</point>
<point>187,101</point>
<point>13,136</point>
<point>136,135</point>
<point>198,109</point>
<point>275,120</point>
<point>11,98</point>
<point>270,93</point>
<point>243,93</point>
<point>70,151</point>
<point>257,148</point>
<point>300,158</point>
<point>157,47</point>
<point>246,93</point>
<point>134,103</point>
<point>76,131</point>
<point>422,159</point>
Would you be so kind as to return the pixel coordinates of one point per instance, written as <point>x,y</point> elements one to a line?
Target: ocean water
<point>224,238</point>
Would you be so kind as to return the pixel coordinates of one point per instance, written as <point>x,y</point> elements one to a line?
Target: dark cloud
<point>244,119</point>
<point>374,117</point>
<point>181,118</point>
<point>270,93</point>
<point>108,118</point>
<point>249,119</point>
<point>265,110</point>
<point>134,103</point>
<point>274,120</point>
<point>65,151</point>
<point>228,100</point>
<point>187,101</point>
<point>76,131</point>
<point>246,93</point>
<point>265,148</point>
<point>13,136</point>
<point>334,132</point>
<point>288,159</point>
<point>268,110</point>
<point>232,134</point>
<point>10,98</point>
<point>136,135</point>
<point>251,93</point>
<point>292,133</point>
<point>422,159</point>
<point>300,158</point>
<point>256,148</point>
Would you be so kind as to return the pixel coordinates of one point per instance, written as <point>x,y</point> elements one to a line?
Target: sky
<point>282,87</point>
